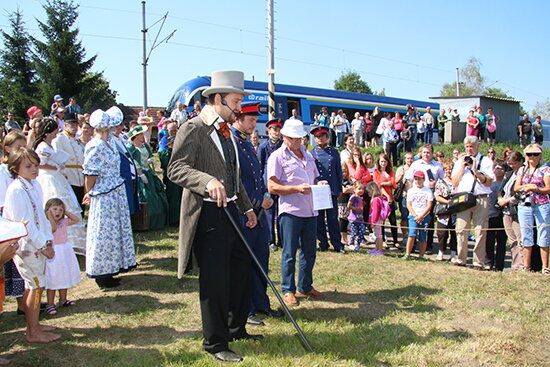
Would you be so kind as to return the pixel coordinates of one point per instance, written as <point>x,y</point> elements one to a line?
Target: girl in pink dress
<point>62,271</point>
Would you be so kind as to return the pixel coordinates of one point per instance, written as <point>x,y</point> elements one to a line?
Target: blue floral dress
<point>109,241</point>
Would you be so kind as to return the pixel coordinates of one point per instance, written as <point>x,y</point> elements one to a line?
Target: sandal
<point>51,309</point>
<point>67,303</point>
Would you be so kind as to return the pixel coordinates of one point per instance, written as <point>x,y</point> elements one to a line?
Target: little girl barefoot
<point>62,272</point>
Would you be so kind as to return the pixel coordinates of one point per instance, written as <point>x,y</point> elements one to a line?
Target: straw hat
<point>532,148</point>
<point>136,130</point>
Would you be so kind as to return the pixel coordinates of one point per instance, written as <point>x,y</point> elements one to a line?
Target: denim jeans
<point>539,214</point>
<point>414,137</point>
<point>340,138</point>
<point>429,134</point>
<point>297,232</point>
<point>419,230</point>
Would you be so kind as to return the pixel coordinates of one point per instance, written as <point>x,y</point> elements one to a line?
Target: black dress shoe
<point>253,337</point>
<point>322,249</point>
<point>228,356</point>
<point>342,251</point>
<point>254,320</point>
<point>273,247</point>
<point>271,312</point>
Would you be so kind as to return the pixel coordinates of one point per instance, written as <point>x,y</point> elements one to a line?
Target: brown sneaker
<point>312,293</point>
<point>290,299</point>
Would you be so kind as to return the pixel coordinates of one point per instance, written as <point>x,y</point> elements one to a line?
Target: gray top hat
<point>226,81</point>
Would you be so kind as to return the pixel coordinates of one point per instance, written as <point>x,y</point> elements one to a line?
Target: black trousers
<point>79,193</point>
<point>393,221</point>
<point>499,237</point>
<point>224,280</point>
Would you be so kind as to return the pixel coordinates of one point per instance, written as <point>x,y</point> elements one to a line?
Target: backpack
<point>385,208</point>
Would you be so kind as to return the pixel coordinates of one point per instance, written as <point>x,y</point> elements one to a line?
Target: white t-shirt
<point>419,198</point>
<point>421,165</point>
<point>344,128</point>
<point>357,125</point>
<point>467,181</point>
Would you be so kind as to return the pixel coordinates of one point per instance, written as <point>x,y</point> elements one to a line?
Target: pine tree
<point>61,61</point>
<point>17,75</point>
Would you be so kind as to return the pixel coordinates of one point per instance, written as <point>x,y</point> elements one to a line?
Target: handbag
<point>441,209</point>
<point>398,193</point>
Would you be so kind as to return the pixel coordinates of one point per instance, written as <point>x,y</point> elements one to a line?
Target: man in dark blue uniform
<point>273,143</point>
<point>257,237</point>
<point>328,164</point>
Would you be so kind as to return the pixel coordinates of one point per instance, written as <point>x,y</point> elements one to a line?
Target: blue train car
<point>308,101</point>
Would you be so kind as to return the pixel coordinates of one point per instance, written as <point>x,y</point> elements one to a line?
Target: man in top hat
<point>273,143</point>
<point>257,237</point>
<point>291,171</point>
<point>206,164</point>
<point>328,164</point>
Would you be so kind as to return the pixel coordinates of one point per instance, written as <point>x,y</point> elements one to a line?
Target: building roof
<point>132,112</point>
<point>480,96</point>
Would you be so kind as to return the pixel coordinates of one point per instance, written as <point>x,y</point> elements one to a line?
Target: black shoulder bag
<point>463,200</point>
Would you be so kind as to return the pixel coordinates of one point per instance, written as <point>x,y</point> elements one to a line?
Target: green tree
<point>352,82</point>
<point>61,61</point>
<point>542,109</point>
<point>17,76</point>
<point>472,83</point>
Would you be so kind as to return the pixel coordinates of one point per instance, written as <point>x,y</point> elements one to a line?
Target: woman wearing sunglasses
<point>533,189</point>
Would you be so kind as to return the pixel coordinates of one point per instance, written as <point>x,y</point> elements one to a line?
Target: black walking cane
<point>285,308</point>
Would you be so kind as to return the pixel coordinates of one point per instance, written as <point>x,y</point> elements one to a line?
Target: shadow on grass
<point>159,263</point>
<point>121,305</point>
<point>109,346</point>
<point>358,307</point>
<point>364,343</point>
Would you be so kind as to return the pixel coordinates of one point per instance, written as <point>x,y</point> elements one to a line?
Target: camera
<point>468,160</point>
<point>526,199</point>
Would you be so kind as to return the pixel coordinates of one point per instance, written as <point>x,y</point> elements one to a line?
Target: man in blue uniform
<point>273,143</point>
<point>257,237</point>
<point>328,164</point>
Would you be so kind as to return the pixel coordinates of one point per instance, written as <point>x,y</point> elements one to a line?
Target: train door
<point>293,103</point>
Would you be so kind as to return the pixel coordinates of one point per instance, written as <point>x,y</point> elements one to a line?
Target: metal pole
<point>271,285</point>
<point>271,57</point>
<point>144,32</point>
<point>457,84</point>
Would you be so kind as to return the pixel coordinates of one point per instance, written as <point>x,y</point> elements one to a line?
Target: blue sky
<point>410,48</point>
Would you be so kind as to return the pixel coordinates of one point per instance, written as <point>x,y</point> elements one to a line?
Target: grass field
<point>379,311</point>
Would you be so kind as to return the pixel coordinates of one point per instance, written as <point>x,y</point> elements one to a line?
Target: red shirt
<point>359,173</point>
<point>379,179</point>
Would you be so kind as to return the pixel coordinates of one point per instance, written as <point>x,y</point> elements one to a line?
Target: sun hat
<point>532,148</point>
<point>419,174</point>
<point>99,119</point>
<point>115,116</point>
<point>33,111</point>
<point>293,128</point>
<point>57,97</point>
<point>226,81</point>
<point>136,130</point>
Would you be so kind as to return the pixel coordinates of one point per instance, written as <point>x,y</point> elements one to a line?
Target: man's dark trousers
<point>224,280</point>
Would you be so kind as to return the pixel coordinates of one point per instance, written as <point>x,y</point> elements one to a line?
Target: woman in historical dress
<point>110,243</point>
<point>54,184</point>
<point>150,188</point>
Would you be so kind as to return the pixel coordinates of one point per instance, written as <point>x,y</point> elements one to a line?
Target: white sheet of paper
<point>321,197</point>
<point>11,230</point>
